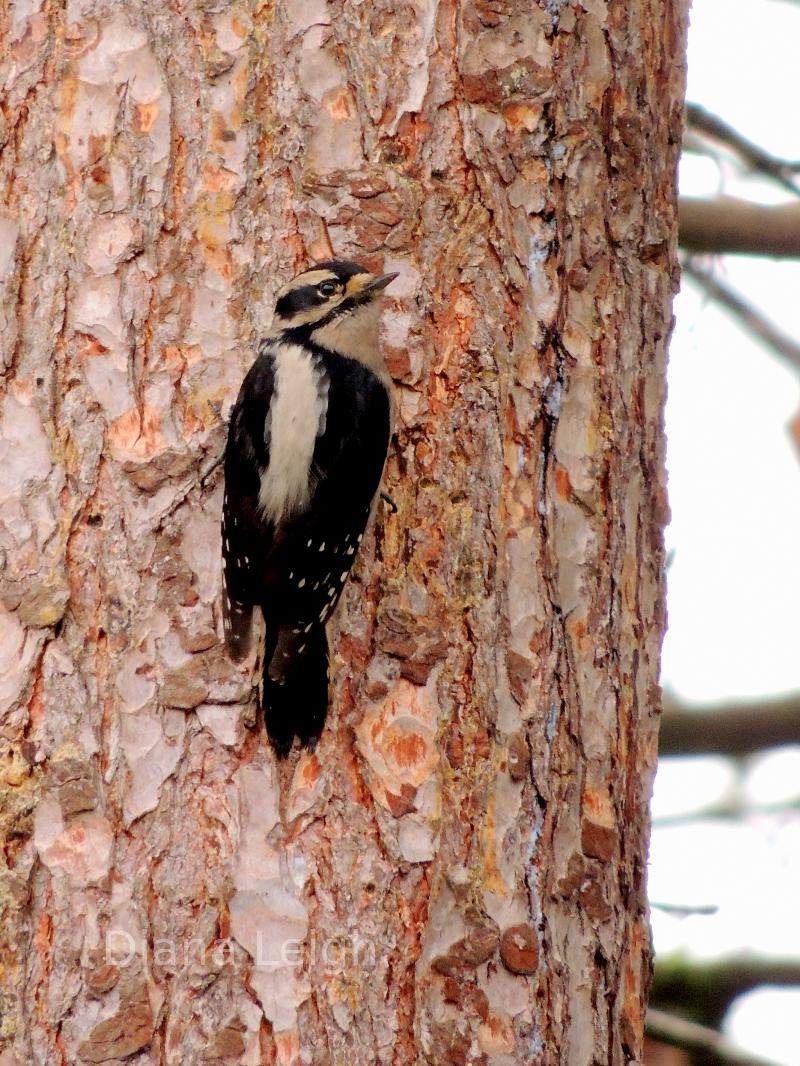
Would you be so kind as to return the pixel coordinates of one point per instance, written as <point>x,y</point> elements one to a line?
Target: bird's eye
<point>326,288</point>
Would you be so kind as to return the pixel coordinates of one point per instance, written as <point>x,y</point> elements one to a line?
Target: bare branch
<point>685,910</point>
<point>736,729</point>
<point>732,809</point>
<point>708,987</point>
<point>677,1032</point>
<point>753,321</point>
<point>727,224</point>
<point>701,121</point>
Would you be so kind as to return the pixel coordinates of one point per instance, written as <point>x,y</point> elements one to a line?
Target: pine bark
<point>457,874</point>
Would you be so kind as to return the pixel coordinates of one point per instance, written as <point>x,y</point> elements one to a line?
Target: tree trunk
<point>457,874</point>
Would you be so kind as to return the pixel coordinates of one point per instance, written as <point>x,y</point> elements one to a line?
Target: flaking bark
<point>457,874</point>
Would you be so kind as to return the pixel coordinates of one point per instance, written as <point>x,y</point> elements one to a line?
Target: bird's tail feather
<point>295,699</point>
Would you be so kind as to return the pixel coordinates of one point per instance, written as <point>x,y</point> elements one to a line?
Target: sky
<point>734,580</point>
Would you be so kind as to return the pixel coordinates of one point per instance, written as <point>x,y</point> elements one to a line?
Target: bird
<point>307,443</point>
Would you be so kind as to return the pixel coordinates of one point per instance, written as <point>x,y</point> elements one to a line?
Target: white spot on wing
<point>301,582</point>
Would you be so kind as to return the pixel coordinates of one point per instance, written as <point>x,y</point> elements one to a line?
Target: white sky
<point>734,584</point>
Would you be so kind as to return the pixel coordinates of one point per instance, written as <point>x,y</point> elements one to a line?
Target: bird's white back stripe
<point>297,410</point>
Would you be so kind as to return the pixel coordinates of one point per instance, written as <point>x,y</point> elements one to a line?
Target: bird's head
<point>334,303</point>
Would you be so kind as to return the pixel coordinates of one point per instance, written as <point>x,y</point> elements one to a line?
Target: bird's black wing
<point>295,572</point>
<point>247,540</point>
<point>312,562</point>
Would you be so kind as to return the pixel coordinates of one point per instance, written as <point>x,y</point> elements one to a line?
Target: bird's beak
<point>379,283</point>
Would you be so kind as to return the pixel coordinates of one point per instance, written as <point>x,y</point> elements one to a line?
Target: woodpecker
<point>306,448</point>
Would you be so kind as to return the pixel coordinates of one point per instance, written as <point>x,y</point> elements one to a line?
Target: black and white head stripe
<point>326,290</point>
<point>315,287</point>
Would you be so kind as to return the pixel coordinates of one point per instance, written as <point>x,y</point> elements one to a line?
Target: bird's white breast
<point>296,416</point>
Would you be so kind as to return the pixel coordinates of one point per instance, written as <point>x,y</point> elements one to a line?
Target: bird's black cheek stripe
<point>298,300</point>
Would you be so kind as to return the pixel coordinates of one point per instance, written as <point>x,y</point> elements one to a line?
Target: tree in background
<point>692,997</point>
<point>456,875</point>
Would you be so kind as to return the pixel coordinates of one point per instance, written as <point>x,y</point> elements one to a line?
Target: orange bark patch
<point>219,259</point>
<point>218,179</point>
<point>36,702</point>
<point>213,228</point>
<point>238,27</point>
<point>522,116</point>
<point>287,1047</point>
<point>354,651</point>
<point>493,879</point>
<point>44,935</point>
<point>496,1035</point>
<point>144,116</point>
<point>408,750</point>
<point>339,105</point>
<point>220,133</point>
<point>101,175</point>
<point>598,826</point>
<point>23,390</point>
<point>633,1000</point>
<point>454,327</point>
<point>172,356</point>
<point>241,76</point>
<point>403,804</point>
<point>398,362</point>
<point>411,131</point>
<point>67,99</point>
<point>136,433</point>
<point>579,631</point>
<point>310,772</point>
<point>398,741</point>
<point>563,483</point>
<point>98,146</point>
<point>192,424</point>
